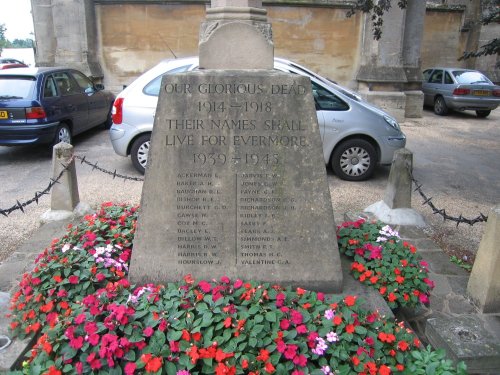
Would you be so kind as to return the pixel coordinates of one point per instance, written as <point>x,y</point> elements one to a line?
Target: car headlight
<point>392,122</point>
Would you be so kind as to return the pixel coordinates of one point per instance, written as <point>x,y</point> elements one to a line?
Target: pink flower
<point>300,360</point>
<point>80,319</point>
<point>301,329</point>
<point>238,283</point>
<point>130,368</point>
<point>73,279</point>
<point>205,286</point>
<point>284,324</point>
<point>148,331</point>
<point>225,279</point>
<point>174,346</point>
<point>320,296</point>
<point>76,343</point>
<point>296,317</point>
<point>290,352</point>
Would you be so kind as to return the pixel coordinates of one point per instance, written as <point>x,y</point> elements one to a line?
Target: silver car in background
<point>356,135</point>
<point>460,90</point>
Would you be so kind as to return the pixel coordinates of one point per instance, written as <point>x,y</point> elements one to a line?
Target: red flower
<point>300,291</point>
<point>227,322</point>
<point>349,328</point>
<point>269,368</point>
<point>57,278</point>
<point>384,370</point>
<point>244,364</point>
<point>350,300</point>
<point>154,364</point>
<point>400,279</point>
<point>337,320</point>
<point>355,361</point>
<point>185,335</point>
<point>52,371</point>
<point>392,297</point>
<point>263,355</point>
<point>403,346</point>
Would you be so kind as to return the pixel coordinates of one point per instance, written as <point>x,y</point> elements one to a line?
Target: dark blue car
<point>49,105</point>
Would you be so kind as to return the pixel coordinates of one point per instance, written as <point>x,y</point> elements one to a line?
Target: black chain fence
<point>21,205</point>
<point>427,201</point>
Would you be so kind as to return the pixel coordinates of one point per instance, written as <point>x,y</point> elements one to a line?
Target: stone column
<point>236,35</point>
<point>389,75</point>
<point>45,37</point>
<point>70,29</point>
<point>381,75</point>
<point>484,281</point>
<point>412,42</point>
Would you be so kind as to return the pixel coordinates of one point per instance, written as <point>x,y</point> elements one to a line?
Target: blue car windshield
<point>16,87</point>
<point>466,77</point>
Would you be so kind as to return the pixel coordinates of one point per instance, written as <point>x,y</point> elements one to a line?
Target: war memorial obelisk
<point>236,181</point>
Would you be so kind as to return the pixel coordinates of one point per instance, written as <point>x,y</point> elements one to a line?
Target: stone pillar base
<point>80,210</point>
<point>392,102</point>
<point>414,105</point>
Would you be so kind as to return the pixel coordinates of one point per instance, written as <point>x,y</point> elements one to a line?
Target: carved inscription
<point>235,128</point>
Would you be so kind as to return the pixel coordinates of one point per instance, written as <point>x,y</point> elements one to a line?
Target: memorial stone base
<point>236,184</point>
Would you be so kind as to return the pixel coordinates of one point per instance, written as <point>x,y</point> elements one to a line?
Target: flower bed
<point>385,262</point>
<point>90,320</point>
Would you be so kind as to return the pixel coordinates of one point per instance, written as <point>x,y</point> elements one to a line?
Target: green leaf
<point>170,368</point>
<point>174,335</point>
<point>271,316</point>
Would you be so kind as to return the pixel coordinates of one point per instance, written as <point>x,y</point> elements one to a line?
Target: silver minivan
<point>356,135</point>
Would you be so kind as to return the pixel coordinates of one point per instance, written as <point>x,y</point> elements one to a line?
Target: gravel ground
<point>455,197</point>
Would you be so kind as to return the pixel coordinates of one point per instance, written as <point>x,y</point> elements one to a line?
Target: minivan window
<point>17,87</point>
<point>327,101</point>
<point>153,87</point>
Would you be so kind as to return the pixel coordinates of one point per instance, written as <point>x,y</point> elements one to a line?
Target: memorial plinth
<point>236,184</point>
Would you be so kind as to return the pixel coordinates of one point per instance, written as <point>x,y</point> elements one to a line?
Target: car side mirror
<point>99,86</point>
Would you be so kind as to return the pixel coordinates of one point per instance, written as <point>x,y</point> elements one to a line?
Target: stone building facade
<point>116,40</point>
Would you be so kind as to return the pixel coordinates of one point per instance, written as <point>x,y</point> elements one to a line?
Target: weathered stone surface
<point>466,338</point>
<point>484,281</point>
<point>398,189</point>
<point>442,265</point>
<point>236,184</point>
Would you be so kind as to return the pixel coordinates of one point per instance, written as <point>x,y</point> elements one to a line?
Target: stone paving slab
<point>466,338</point>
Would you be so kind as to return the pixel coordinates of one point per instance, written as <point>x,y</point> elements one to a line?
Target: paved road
<point>456,158</point>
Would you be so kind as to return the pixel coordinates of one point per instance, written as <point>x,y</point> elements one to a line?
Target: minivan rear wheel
<point>354,160</point>
<point>139,152</point>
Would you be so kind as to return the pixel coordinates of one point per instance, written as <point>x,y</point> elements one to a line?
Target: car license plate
<point>481,92</point>
<point>4,115</point>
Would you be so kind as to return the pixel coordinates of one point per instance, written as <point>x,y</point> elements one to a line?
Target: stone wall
<point>134,37</point>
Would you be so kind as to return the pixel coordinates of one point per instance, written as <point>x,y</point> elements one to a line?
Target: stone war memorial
<point>236,180</point>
